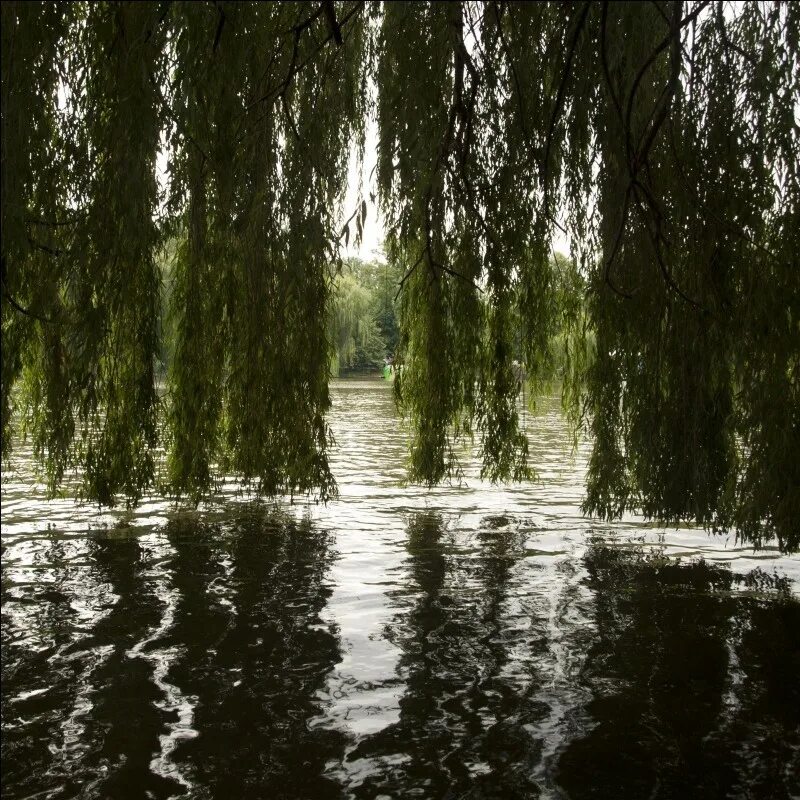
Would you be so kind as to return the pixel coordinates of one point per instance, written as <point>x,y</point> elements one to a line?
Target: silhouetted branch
<point>558,106</point>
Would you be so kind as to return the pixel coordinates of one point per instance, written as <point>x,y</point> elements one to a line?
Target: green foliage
<point>362,319</point>
<point>663,136</point>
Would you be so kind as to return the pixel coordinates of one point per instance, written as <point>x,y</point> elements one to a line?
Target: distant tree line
<point>362,317</point>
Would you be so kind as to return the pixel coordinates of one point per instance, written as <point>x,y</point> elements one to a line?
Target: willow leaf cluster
<point>661,138</point>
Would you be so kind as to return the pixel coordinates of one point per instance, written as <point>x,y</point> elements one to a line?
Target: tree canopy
<point>662,136</point>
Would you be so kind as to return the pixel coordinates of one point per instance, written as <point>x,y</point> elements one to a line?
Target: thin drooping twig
<point>514,74</point>
<point>294,67</point>
<point>604,60</point>
<point>182,130</point>
<point>643,151</point>
<point>346,226</point>
<point>709,212</point>
<point>672,38</point>
<point>559,104</point>
<point>637,158</point>
<point>656,238</point>
<point>409,272</point>
<point>302,25</point>
<point>615,247</point>
<point>458,111</point>
<point>520,103</point>
<point>220,26</point>
<point>470,193</point>
<point>18,306</point>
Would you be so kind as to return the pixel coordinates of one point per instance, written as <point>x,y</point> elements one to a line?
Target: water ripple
<point>465,641</point>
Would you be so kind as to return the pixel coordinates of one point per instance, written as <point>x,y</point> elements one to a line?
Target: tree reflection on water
<point>459,720</point>
<point>694,688</point>
<point>257,654</point>
<point>194,662</point>
<point>684,688</point>
<point>215,643</point>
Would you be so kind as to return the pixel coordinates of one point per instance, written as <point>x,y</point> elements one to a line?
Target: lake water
<point>464,642</point>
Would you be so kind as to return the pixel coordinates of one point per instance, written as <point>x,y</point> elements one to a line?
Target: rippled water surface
<point>464,642</point>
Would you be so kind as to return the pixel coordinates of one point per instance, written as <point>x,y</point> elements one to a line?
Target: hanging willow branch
<point>201,151</point>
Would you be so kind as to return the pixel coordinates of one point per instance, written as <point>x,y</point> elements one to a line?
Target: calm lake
<point>465,642</point>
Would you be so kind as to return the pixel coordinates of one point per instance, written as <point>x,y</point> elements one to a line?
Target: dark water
<point>468,642</point>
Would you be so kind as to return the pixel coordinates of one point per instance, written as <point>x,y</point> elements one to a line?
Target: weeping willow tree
<point>361,318</point>
<point>661,137</point>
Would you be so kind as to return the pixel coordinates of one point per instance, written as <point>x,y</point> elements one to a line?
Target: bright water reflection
<point>464,642</point>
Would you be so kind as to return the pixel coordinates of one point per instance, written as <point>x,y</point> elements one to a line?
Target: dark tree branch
<point>220,26</point>
<point>43,247</point>
<point>9,298</point>
<point>604,61</point>
<point>294,67</point>
<point>558,106</point>
<point>409,272</point>
<point>617,242</point>
<point>637,158</point>
<point>22,310</point>
<point>333,25</point>
<point>57,223</point>
<point>656,238</point>
<point>161,18</point>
